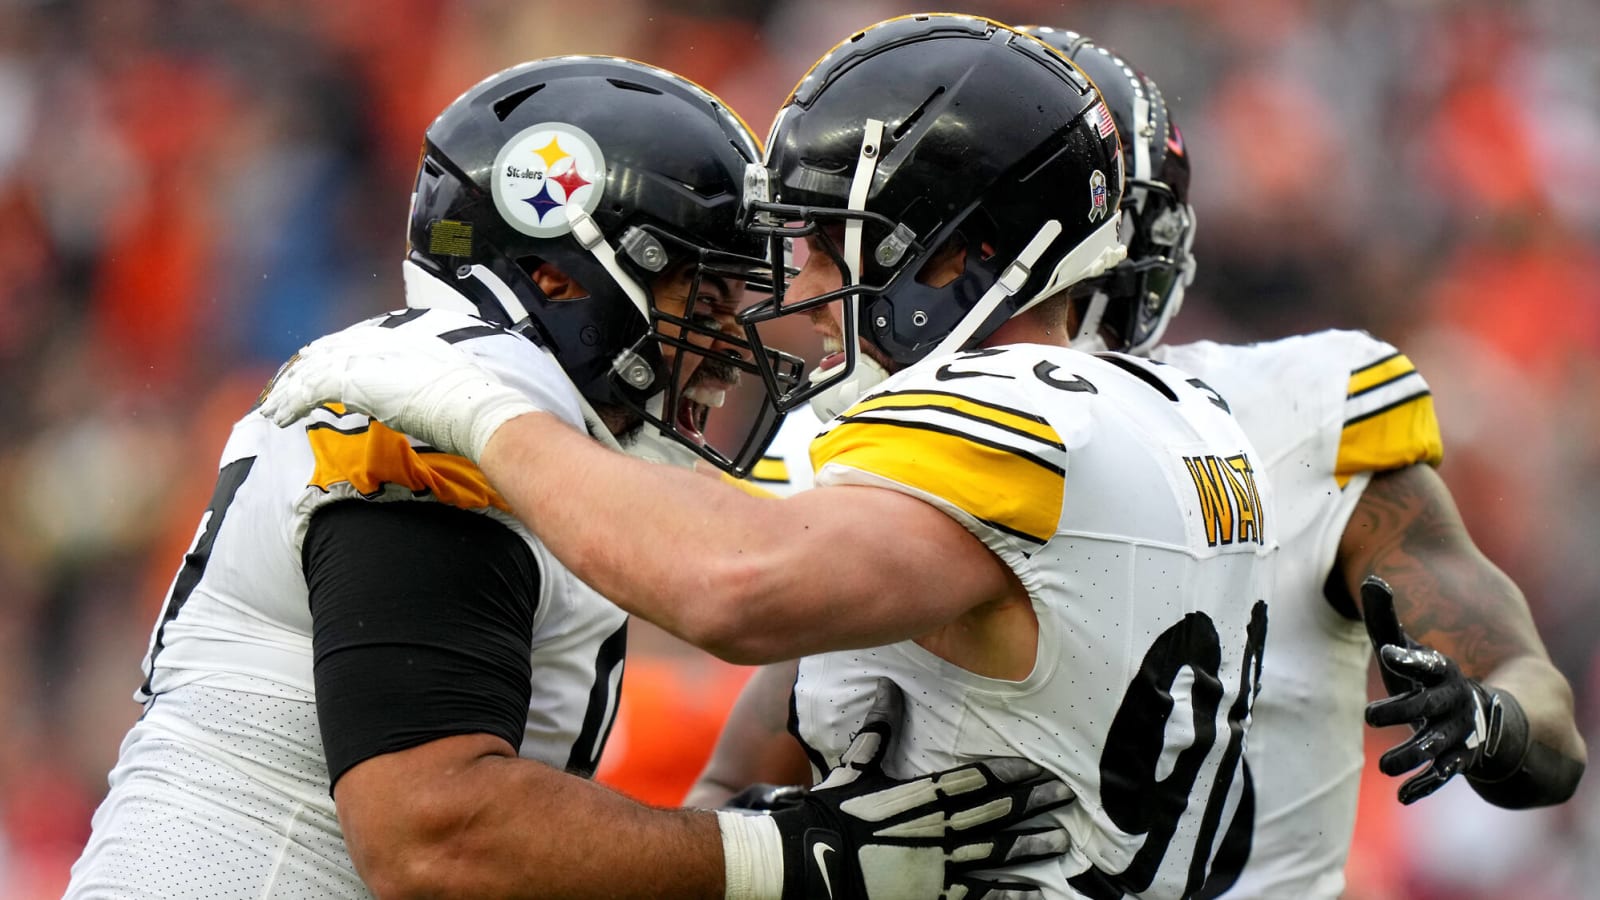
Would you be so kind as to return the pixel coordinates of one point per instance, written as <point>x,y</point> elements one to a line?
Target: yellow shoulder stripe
<point>1397,435</point>
<point>369,457</point>
<point>965,407</point>
<point>754,490</point>
<point>770,468</point>
<point>1010,491</point>
<point>1379,373</point>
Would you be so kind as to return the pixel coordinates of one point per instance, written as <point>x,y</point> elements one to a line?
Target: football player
<point>370,676</point>
<point>1057,556</point>
<point>1346,424</point>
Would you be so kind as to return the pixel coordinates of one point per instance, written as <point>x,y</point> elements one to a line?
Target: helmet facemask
<point>1128,309</point>
<point>696,361</point>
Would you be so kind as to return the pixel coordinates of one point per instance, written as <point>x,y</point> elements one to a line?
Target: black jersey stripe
<point>1374,365</point>
<point>965,398</point>
<point>1383,384</point>
<point>931,407</point>
<point>866,418</point>
<point>1412,398</point>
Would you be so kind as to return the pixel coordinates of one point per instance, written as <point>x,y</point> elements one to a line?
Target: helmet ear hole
<point>552,282</point>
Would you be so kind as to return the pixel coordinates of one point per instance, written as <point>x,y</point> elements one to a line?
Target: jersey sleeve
<point>981,454</point>
<point>1389,420</point>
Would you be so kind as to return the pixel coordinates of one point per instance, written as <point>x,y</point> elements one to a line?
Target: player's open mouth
<point>695,406</point>
<point>834,350</point>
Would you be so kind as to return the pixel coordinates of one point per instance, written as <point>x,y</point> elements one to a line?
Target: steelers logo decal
<point>546,173</point>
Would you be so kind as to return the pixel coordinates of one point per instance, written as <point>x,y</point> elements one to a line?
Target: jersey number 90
<point>1140,803</point>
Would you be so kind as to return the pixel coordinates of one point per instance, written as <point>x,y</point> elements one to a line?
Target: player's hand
<point>416,384</point>
<point>863,834</point>
<point>1455,719</point>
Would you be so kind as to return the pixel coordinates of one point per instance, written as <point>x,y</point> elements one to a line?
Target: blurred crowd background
<point>190,189</point>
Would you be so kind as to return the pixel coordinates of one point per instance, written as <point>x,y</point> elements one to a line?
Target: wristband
<point>1519,772</point>
<point>752,856</point>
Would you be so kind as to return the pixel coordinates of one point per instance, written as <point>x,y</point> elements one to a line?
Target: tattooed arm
<point>1449,596</point>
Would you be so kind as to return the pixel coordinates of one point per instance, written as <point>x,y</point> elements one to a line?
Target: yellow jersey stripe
<point>1397,435</point>
<point>770,468</point>
<point>1375,375</point>
<point>369,456</point>
<point>1014,421</point>
<point>1008,490</point>
<point>754,490</point>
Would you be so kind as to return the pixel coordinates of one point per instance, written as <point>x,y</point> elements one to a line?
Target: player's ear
<point>556,284</point>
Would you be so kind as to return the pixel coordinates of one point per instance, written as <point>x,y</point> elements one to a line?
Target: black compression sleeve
<point>422,621</point>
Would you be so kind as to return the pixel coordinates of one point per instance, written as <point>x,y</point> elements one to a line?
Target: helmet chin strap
<point>843,394</point>
<point>861,372</point>
<point>628,365</point>
<point>590,238</point>
<point>1101,250</point>
<point>1010,281</point>
<point>1095,255</point>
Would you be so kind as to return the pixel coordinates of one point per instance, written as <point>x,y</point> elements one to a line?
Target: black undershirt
<point>422,623</point>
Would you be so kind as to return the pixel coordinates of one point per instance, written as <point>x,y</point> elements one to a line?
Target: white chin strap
<point>843,394</point>
<point>865,373</point>
<point>1098,252</point>
<point>591,239</point>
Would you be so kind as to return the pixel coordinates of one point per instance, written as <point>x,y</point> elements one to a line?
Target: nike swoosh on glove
<point>416,384</point>
<point>862,834</point>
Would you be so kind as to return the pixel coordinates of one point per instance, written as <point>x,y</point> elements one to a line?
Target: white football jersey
<point>1325,411</point>
<point>222,789</point>
<point>1132,508</point>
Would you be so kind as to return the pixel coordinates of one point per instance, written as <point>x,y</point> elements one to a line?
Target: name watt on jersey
<point>1230,505</point>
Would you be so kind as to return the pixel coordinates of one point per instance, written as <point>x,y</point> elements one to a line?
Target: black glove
<point>861,834</point>
<point>1457,721</point>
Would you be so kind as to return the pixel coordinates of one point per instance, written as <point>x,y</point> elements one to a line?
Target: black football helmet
<point>918,131</point>
<point>1130,306</point>
<point>613,172</point>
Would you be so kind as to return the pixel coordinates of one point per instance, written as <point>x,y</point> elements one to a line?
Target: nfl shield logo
<point>1097,196</point>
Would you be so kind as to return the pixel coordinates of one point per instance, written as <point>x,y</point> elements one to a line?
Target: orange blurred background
<point>191,190</point>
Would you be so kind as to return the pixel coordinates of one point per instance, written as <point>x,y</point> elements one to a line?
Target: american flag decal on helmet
<point>1103,119</point>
